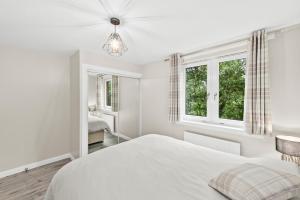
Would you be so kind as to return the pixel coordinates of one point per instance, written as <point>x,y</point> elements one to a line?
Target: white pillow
<point>256,182</point>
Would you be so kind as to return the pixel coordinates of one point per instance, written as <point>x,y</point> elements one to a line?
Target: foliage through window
<point>196,91</point>
<point>214,90</point>
<point>231,89</point>
<point>108,92</point>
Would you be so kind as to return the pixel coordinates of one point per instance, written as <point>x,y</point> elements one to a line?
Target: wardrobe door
<point>129,110</point>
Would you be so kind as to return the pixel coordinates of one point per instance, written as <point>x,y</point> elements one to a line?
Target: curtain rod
<point>241,39</point>
<point>214,57</point>
<point>211,47</point>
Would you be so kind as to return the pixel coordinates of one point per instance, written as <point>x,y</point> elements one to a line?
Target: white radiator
<point>213,143</point>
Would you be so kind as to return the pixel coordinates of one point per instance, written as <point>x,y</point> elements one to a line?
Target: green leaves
<point>196,91</point>
<point>231,89</point>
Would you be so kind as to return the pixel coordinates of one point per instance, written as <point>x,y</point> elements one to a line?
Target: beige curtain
<point>174,88</point>
<point>257,108</point>
<point>99,93</point>
<point>115,93</point>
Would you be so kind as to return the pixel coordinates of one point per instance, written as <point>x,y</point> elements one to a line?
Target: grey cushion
<point>256,182</point>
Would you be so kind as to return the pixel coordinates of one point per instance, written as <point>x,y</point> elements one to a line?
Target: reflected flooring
<point>31,185</point>
<point>109,140</point>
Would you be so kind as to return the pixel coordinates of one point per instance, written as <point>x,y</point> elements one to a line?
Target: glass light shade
<point>114,45</point>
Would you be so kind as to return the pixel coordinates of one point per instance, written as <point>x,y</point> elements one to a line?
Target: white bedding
<point>96,124</point>
<point>148,168</point>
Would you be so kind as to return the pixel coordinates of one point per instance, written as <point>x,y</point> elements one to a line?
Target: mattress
<point>151,167</point>
<point>97,124</point>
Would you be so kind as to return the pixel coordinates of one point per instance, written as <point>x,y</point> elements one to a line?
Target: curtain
<point>99,92</point>
<point>257,96</point>
<point>115,93</point>
<point>174,88</point>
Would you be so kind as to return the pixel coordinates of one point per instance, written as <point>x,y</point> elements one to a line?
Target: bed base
<point>96,137</point>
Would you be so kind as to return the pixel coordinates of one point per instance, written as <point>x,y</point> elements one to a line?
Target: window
<point>231,89</point>
<point>214,91</point>
<point>108,92</point>
<point>196,91</point>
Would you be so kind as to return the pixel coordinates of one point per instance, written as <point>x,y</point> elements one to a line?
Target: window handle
<point>215,96</point>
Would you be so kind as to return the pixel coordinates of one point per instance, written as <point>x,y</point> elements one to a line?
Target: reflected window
<point>108,93</point>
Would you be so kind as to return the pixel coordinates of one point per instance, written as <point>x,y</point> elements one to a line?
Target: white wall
<point>34,106</point>
<point>92,90</point>
<point>285,83</point>
<point>285,80</point>
<point>75,103</point>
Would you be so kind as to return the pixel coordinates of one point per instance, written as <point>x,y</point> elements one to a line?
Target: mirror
<point>114,110</point>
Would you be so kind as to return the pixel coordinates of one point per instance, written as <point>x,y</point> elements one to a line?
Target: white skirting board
<point>213,143</point>
<point>35,165</point>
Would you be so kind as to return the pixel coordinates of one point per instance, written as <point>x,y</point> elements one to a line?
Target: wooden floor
<point>29,185</point>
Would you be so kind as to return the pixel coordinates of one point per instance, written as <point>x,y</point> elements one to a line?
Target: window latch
<point>215,96</point>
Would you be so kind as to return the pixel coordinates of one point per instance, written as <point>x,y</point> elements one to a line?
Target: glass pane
<point>129,113</point>
<point>196,91</point>
<point>231,89</point>
<point>108,93</point>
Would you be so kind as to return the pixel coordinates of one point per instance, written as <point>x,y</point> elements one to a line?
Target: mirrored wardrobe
<point>114,110</point>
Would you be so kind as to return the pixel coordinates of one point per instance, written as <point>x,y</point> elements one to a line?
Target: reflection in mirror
<point>113,104</point>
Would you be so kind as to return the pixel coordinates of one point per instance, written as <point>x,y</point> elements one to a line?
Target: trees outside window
<point>215,91</point>
<point>231,89</point>
<point>196,91</point>
<point>108,93</point>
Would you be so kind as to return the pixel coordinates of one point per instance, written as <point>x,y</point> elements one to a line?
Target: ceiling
<point>152,29</point>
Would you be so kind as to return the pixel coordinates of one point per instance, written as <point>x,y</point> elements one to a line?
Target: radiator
<point>213,143</point>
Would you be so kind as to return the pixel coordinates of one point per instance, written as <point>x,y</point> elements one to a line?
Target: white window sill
<point>214,127</point>
<point>107,108</point>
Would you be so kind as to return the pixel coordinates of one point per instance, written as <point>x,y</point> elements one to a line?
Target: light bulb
<point>115,45</point>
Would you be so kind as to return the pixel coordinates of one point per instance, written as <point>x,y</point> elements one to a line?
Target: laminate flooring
<point>31,185</point>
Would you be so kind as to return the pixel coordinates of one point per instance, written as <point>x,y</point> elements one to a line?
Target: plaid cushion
<point>255,182</point>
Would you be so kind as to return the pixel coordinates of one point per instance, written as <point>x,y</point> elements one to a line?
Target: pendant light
<point>114,44</point>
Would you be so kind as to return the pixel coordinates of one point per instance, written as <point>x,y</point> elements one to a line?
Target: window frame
<point>106,107</point>
<point>231,122</point>
<point>192,117</point>
<point>212,91</point>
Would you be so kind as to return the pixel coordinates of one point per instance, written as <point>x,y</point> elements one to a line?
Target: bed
<point>151,167</point>
<point>96,128</point>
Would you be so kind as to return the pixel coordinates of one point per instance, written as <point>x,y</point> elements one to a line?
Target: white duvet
<point>148,168</point>
<point>97,124</point>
